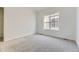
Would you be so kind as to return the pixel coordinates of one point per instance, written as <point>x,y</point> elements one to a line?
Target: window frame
<point>52,21</point>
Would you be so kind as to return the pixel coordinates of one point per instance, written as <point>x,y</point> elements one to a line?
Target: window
<point>51,22</point>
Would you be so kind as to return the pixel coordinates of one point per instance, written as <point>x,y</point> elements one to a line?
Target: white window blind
<point>51,22</point>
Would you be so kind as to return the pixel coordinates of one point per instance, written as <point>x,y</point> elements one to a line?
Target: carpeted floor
<point>38,43</point>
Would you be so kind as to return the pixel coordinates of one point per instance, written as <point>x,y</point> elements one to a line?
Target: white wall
<point>77,26</point>
<point>1,22</point>
<point>18,22</point>
<point>67,22</point>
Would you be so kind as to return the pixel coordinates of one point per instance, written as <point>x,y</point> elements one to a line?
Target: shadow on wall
<point>1,23</point>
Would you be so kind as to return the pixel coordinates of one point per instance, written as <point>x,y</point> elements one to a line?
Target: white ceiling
<point>38,8</point>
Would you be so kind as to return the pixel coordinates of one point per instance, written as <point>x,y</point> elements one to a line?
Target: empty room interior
<point>39,29</point>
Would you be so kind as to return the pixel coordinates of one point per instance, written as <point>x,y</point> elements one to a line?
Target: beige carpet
<point>38,43</point>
